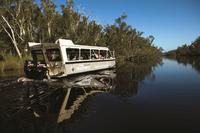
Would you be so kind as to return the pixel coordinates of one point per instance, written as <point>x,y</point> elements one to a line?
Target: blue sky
<point>171,22</point>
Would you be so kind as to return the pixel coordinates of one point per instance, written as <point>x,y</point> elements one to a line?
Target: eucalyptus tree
<point>57,28</point>
<point>151,39</point>
<point>189,50</point>
<point>48,8</point>
<point>82,31</point>
<point>17,23</point>
<point>129,42</point>
<point>71,20</point>
<point>24,20</point>
<point>8,26</point>
<point>120,36</point>
<point>94,33</point>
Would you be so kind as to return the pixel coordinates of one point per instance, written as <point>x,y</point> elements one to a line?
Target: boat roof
<point>62,43</point>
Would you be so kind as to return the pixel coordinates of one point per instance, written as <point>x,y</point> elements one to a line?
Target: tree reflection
<point>129,75</point>
<point>193,61</point>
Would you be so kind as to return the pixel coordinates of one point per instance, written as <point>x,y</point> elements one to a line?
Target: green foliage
<point>128,42</point>
<point>189,50</point>
<point>41,23</point>
<point>185,50</point>
<point>171,54</point>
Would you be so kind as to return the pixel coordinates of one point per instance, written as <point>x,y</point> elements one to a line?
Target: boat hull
<point>86,66</point>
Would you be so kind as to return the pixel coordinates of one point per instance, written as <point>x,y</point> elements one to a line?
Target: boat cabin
<point>64,58</point>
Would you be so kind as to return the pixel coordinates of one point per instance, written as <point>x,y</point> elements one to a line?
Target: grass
<point>12,63</point>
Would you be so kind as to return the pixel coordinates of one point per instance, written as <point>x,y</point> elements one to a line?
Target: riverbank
<point>10,63</point>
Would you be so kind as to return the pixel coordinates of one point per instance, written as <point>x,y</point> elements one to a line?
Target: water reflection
<point>130,75</point>
<point>39,106</point>
<point>49,106</point>
<point>64,102</point>
<point>194,61</point>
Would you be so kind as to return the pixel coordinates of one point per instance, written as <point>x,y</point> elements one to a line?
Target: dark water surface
<point>137,98</point>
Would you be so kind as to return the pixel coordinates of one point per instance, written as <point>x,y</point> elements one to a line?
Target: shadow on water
<point>49,106</point>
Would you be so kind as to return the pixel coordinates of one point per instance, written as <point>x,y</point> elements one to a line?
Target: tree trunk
<point>49,29</point>
<point>12,36</point>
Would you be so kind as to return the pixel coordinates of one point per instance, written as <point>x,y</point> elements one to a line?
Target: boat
<point>64,58</point>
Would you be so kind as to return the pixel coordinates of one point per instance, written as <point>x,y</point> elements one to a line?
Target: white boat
<point>64,58</point>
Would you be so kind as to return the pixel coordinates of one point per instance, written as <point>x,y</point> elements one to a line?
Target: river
<point>163,97</point>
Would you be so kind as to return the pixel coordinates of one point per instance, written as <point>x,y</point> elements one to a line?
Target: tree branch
<point>7,32</point>
<point>12,36</point>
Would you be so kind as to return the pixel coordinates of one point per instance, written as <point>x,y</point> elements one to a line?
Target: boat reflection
<point>39,106</point>
<point>68,95</point>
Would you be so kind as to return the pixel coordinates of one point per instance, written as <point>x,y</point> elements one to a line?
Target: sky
<point>172,22</point>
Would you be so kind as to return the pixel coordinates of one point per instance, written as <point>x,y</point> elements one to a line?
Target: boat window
<point>109,54</point>
<point>72,54</point>
<point>102,54</point>
<point>53,54</point>
<point>37,55</point>
<point>95,54</point>
<point>85,54</point>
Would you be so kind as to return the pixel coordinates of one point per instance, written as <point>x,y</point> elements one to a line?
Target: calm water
<point>159,98</point>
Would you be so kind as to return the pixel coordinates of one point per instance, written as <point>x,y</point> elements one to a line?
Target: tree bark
<point>12,36</point>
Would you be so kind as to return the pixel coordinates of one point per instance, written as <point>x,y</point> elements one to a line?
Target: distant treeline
<point>186,50</point>
<point>23,21</point>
